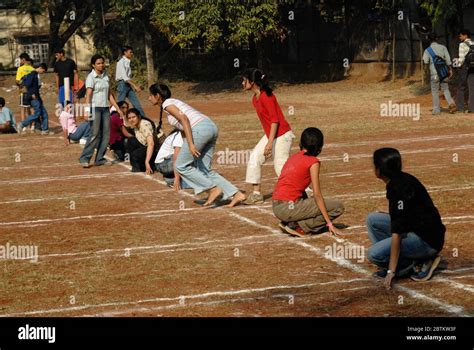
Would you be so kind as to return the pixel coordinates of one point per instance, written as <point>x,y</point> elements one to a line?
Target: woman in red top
<point>299,214</point>
<point>278,136</point>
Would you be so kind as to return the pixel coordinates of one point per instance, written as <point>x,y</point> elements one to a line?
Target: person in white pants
<point>278,136</point>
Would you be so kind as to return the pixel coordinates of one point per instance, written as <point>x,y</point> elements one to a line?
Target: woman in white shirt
<point>194,160</point>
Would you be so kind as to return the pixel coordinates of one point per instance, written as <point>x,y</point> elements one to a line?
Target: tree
<point>217,24</point>
<point>65,17</point>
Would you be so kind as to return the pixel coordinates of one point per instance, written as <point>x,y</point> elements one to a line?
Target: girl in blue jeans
<point>194,160</point>
<point>412,233</point>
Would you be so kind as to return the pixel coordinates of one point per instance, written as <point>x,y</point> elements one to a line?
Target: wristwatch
<point>390,271</point>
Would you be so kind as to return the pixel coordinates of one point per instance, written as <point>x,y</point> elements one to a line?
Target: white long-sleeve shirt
<point>463,50</point>
<point>123,70</point>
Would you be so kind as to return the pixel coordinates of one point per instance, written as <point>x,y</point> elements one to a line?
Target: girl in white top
<point>194,160</point>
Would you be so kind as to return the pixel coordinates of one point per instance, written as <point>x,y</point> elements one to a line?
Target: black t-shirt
<point>412,210</point>
<point>65,69</point>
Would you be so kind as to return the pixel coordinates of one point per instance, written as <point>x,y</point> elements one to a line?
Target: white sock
<point>256,192</point>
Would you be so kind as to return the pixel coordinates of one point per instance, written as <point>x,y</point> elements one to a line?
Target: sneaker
<point>104,162</point>
<point>293,229</point>
<point>427,269</point>
<point>73,142</point>
<point>85,165</point>
<point>254,198</point>
<point>382,273</point>
<point>452,108</point>
<point>435,112</point>
<point>20,128</point>
<point>282,226</point>
<point>82,141</point>
<point>47,133</point>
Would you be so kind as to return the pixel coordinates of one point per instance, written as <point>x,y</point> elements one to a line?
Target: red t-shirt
<point>115,128</point>
<point>295,177</point>
<point>269,111</point>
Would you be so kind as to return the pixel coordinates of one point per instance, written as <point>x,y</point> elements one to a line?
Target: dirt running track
<point>113,243</point>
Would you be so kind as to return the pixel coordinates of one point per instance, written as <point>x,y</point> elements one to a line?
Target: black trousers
<point>466,77</point>
<point>119,148</point>
<point>137,154</point>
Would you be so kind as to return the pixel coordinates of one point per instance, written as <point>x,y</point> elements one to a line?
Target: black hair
<point>44,66</point>
<point>165,93</point>
<point>432,37</point>
<point>137,112</point>
<point>2,102</point>
<point>25,56</point>
<point>61,51</point>
<point>312,139</point>
<point>95,58</point>
<point>126,48</point>
<point>121,103</point>
<point>465,32</point>
<point>67,102</point>
<point>257,77</point>
<point>388,161</point>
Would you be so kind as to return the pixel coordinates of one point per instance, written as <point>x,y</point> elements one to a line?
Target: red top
<point>269,111</point>
<point>295,177</point>
<point>115,128</point>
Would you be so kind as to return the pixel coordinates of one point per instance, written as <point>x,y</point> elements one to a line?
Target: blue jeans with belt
<point>198,172</point>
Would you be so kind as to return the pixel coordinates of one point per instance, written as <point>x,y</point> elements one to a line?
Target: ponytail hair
<point>312,139</point>
<point>259,78</point>
<point>165,93</point>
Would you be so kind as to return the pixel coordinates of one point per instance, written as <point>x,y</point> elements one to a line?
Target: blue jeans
<point>166,168</point>
<point>99,136</point>
<point>61,95</point>
<point>83,131</point>
<point>39,111</point>
<point>125,90</point>
<point>412,247</point>
<point>198,172</point>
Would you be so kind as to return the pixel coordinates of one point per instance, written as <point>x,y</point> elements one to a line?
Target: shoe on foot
<point>427,269</point>
<point>452,108</point>
<point>20,128</point>
<point>103,162</point>
<point>295,230</point>
<point>254,198</point>
<point>85,165</point>
<point>382,273</point>
<point>282,226</point>
<point>47,133</point>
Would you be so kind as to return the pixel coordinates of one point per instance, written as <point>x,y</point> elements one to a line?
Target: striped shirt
<point>123,70</point>
<point>193,115</point>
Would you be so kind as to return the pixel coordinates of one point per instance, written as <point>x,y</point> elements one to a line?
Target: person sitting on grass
<point>142,148</point>
<point>7,120</point>
<point>412,233</point>
<point>299,214</point>
<point>118,131</point>
<point>71,131</point>
<point>166,159</point>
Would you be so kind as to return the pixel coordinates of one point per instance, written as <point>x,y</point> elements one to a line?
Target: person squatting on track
<point>142,148</point>
<point>166,158</point>
<point>98,96</point>
<point>299,214</point>
<point>119,134</point>
<point>409,238</point>
<point>194,161</point>
<point>278,136</point>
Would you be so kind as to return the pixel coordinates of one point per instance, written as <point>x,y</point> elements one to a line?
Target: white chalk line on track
<point>182,297</point>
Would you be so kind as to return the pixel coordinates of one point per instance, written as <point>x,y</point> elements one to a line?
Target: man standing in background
<point>466,72</point>
<point>127,88</point>
<point>64,68</point>
<point>25,68</point>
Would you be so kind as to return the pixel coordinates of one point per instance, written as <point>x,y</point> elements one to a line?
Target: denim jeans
<point>39,111</point>
<point>82,132</point>
<point>99,136</point>
<point>198,172</point>
<point>412,247</point>
<point>125,91</point>
<point>435,86</point>
<point>166,168</point>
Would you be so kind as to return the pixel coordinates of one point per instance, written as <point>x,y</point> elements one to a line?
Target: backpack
<point>469,59</point>
<point>440,65</point>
